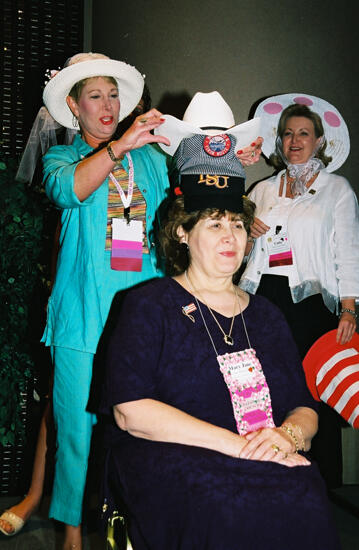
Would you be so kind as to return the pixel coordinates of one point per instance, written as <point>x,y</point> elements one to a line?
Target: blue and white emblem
<point>217,146</point>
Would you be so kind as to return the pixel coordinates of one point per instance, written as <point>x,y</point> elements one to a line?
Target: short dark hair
<point>144,104</point>
<point>303,111</point>
<point>177,258</point>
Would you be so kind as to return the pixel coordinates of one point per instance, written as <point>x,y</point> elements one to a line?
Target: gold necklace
<point>226,337</point>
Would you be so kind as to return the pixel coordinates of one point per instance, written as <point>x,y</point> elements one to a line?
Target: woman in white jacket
<point>305,255</point>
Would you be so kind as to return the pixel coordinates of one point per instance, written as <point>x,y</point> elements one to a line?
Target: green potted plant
<point>22,213</point>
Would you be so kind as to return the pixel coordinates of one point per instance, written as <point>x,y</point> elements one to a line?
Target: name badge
<point>247,385</point>
<point>126,247</point>
<point>279,249</point>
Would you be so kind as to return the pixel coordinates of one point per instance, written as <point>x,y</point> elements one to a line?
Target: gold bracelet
<point>300,431</point>
<point>291,433</point>
<point>111,153</point>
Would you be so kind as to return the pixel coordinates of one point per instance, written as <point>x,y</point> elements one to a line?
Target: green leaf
<point>26,227</point>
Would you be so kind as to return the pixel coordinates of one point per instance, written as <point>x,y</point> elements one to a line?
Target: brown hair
<point>77,88</point>
<point>176,253</point>
<point>302,111</point>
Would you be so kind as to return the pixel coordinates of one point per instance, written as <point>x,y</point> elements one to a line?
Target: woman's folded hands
<point>274,445</point>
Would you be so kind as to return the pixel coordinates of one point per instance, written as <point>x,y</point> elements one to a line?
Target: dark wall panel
<point>245,50</point>
<point>35,35</point>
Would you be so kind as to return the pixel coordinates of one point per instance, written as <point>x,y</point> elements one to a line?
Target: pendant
<point>228,339</point>
<point>126,214</point>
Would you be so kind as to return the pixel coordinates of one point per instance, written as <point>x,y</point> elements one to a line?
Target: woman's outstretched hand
<point>139,133</point>
<point>250,155</point>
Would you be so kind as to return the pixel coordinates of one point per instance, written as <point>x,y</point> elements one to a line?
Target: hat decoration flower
<point>50,73</point>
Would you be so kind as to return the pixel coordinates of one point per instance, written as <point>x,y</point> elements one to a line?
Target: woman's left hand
<point>250,155</point>
<point>346,328</point>
<point>274,445</point>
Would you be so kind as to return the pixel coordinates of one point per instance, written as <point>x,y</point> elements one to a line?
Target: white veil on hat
<point>43,135</point>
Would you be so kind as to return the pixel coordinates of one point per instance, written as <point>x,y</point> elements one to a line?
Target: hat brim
<point>129,80</point>
<point>335,129</point>
<point>176,130</point>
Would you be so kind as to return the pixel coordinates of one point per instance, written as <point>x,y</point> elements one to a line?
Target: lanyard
<point>281,208</point>
<point>126,200</point>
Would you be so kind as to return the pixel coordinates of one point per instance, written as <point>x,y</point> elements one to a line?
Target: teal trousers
<point>72,379</point>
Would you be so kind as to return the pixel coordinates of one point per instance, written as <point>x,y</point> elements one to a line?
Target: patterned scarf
<point>302,173</point>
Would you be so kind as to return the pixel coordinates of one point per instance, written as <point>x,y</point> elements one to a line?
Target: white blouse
<point>323,229</point>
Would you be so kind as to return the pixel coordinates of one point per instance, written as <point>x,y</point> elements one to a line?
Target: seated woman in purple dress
<point>212,414</point>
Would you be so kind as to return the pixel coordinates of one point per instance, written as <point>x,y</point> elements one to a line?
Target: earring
<point>184,246</point>
<point>75,122</point>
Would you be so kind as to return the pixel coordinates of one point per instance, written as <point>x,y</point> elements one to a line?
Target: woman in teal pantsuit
<point>92,186</point>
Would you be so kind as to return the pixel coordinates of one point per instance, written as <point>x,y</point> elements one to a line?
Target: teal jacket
<point>84,284</point>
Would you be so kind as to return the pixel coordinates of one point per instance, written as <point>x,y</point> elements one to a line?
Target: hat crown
<point>84,56</point>
<point>209,110</point>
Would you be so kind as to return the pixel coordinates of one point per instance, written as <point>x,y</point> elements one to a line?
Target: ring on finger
<point>253,154</point>
<point>276,449</point>
<point>143,120</point>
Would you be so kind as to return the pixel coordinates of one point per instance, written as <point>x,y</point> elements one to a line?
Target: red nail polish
<point>240,152</point>
<point>253,144</point>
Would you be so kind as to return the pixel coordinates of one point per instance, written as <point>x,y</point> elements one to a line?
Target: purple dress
<point>179,497</point>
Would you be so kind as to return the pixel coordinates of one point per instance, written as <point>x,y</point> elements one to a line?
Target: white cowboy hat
<point>130,84</point>
<point>207,114</point>
<point>335,129</point>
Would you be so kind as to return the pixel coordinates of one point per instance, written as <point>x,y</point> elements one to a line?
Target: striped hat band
<point>332,374</point>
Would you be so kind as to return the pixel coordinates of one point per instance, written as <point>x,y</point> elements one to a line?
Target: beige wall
<point>245,50</point>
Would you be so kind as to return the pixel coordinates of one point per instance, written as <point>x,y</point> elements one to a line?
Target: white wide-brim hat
<point>335,129</point>
<point>206,114</point>
<point>129,80</point>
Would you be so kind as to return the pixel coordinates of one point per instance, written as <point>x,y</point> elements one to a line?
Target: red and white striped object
<point>332,374</point>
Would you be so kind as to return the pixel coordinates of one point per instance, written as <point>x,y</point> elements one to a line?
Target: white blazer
<point>323,229</point>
